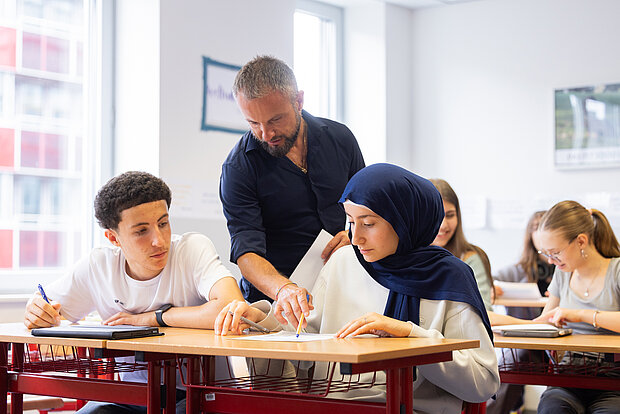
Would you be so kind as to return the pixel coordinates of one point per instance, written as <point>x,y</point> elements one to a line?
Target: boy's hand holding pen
<point>40,312</point>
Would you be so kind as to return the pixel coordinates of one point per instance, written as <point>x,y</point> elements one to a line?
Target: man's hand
<point>124,318</point>
<point>40,314</point>
<point>229,318</point>
<point>339,240</point>
<point>292,301</point>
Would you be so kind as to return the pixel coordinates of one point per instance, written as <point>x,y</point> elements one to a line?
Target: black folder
<point>98,331</point>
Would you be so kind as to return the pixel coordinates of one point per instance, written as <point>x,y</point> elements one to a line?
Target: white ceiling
<point>410,4</point>
<point>416,4</point>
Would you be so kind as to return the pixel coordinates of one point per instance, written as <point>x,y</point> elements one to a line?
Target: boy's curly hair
<point>125,191</point>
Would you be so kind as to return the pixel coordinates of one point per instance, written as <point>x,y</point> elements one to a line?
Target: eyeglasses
<point>556,256</point>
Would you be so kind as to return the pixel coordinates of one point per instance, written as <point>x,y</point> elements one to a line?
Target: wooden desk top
<point>574,342</point>
<point>351,350</point>
<point>18,333</point>
<point>527,303</point>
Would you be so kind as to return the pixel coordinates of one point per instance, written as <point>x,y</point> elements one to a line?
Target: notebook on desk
<point>98,331</point>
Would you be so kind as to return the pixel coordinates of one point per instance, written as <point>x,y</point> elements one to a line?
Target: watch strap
<point>159,313</point>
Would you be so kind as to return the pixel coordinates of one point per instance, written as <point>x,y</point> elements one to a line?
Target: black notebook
<point>98,331</point>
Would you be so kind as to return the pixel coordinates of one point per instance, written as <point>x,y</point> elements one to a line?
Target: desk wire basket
<point>563,369</point>
<point>67,359</point>
<point>283,377</point>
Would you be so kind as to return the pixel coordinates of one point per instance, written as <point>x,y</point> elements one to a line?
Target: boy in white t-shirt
<point>148,276</point>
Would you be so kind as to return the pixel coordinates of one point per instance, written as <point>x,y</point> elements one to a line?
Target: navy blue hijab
<point>414,208</point>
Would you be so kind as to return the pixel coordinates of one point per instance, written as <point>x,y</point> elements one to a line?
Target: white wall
<point>483,75</point>
<point>227,31</point>
<point>398,92</point>
<point>365,76</point>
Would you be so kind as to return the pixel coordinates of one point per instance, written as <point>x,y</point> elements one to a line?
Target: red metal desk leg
<point>406,388</point>
<point>171,382</point>
<point>153,391</point>
<point>392,400</point>
<point>4,377</point>
<point>17,398</point>
<point>193,395</point>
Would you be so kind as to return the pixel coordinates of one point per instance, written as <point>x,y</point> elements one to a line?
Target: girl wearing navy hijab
<point>390,282</point>
<point>410,210</point>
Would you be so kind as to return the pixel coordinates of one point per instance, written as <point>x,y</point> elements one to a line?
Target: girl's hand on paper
<point>376,324</point>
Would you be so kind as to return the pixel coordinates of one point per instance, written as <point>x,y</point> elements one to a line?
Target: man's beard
<point>287,141</point>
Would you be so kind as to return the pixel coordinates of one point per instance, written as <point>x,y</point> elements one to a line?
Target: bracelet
<point>280,288</point>
<point>594,319</point>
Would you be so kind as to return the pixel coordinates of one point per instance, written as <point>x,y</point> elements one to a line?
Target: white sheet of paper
<point>308,269</point>
<point>518,290</point>
<point>525,327</point>
<point>286,336</point>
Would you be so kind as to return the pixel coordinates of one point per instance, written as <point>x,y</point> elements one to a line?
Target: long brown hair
<point>571,219</point>
<point>458,244</point>
<point>529,261</point>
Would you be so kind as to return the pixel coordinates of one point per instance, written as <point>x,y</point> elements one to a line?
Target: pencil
<point>252,324</point>
<point>301,321</point>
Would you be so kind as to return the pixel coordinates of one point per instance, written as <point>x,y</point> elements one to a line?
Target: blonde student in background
<point>584,295</point>
<point>392,283</point>
<point>452,238</point>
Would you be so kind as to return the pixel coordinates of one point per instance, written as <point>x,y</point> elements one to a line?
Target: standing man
<point>281,183</point>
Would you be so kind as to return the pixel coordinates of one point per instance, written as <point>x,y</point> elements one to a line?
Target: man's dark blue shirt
<point>274,209</point>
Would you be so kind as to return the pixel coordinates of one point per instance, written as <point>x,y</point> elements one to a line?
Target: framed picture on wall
<point>587,126</point>
<point>219,109</point>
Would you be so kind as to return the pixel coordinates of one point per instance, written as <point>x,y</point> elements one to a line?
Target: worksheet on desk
<point>285,336</point>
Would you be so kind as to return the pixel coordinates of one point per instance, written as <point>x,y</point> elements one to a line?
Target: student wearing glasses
<point>452,238</point>
<point>584,294</point>
<point>392,283</point>
<point>531,268</point>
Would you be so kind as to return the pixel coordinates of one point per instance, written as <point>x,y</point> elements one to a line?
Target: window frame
<point>96,151</point>
<point>336,15</point>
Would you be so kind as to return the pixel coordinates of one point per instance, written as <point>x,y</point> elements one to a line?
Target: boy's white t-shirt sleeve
<point>73,291</point>
<point>199,256</point>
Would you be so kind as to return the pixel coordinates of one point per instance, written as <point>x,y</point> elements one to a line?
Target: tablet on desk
<point>545,333</point>
<point>98,331</point>
<point>535,330</point>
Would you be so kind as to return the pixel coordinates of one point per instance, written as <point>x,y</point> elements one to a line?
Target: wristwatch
<point>160,312</point>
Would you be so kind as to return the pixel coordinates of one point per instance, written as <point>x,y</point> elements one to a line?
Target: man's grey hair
<point>264,75</point>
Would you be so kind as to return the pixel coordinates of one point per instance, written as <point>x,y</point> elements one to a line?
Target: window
<point>48,166</point>
<point>318,57</point>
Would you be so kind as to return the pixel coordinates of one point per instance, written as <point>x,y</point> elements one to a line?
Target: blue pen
<point>42,292</point>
